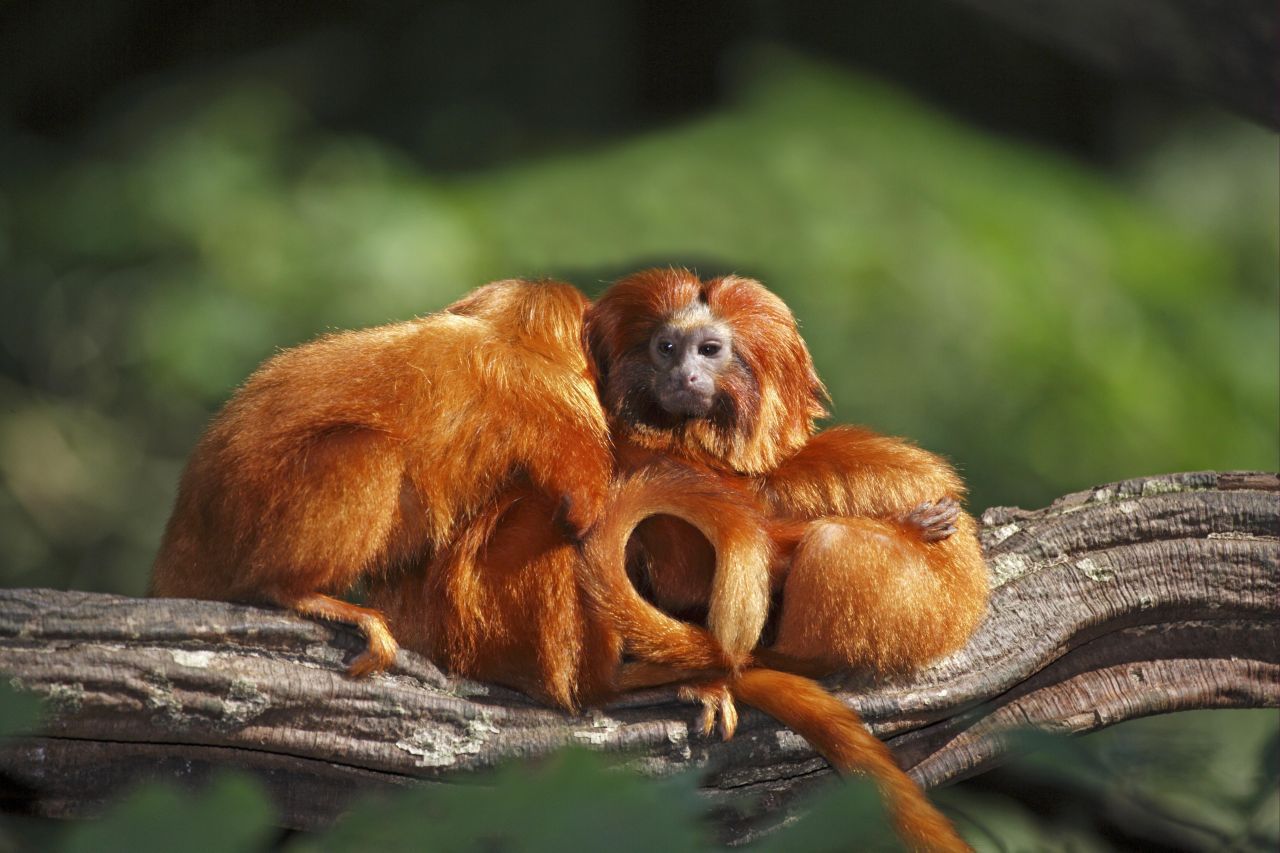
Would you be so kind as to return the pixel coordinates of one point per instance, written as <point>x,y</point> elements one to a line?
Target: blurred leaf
<point>849,816</point>
<point>998,824</point>
<point>572,801</point>
<point>1192,780</point>
<point>24,834</point>
<point>232,814</point>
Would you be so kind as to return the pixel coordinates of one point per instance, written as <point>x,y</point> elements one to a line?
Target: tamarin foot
<point>717,707</point>
<point>934,519</point>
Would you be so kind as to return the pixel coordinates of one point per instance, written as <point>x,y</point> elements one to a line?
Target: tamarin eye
<point>666,347</point>
<point>709,349</point>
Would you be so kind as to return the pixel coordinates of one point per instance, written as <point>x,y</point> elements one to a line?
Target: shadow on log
<point>1141,597</point>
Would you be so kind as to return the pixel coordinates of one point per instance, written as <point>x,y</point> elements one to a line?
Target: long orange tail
<point>740,591</point>
<point>837,732</point>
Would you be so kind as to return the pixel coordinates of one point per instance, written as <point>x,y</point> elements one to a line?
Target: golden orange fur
<point>861,587</point>
<point>441,460</point>
<point>875,566</point>
<point>512,601</point>
<point>503,603</point>
<point>365,451</point>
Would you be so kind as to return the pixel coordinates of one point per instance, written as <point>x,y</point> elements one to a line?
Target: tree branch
<point>1141,597</point>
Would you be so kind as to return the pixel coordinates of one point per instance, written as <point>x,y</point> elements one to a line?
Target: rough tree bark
<point>1141,597</point>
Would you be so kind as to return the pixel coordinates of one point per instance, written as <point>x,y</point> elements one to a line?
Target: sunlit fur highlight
<point>364,451</point>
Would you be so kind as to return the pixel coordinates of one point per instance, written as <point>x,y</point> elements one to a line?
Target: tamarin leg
<point>708,688</point>
<point>279,524</point>
<point>502,604</point>
<point>637,675</point>
<point>873,593</point>
<point>381,652</point>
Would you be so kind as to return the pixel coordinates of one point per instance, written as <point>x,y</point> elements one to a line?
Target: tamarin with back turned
<point>364,452</point>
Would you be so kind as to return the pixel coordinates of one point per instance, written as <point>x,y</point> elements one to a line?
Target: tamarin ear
<point>597,365</point>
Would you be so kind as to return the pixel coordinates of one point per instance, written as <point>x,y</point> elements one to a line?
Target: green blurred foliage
<point>1150,784</point>
<point>1201,780</point>
<point>1047,326</point>
<point>231,814</point>
<point>571,801</point>
<point>849,815</point>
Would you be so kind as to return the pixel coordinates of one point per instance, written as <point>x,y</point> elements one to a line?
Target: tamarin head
<point>542,316</point>
<point>715,371</point>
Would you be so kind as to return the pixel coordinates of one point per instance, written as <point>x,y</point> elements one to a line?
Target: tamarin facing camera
<point>875,565</point>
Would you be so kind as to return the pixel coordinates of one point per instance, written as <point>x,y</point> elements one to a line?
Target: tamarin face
<point>708,370</point>
<point>689,353</point>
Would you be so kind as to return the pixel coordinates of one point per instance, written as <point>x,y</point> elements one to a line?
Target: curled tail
<point>739,593</point>
<point>837,732</point>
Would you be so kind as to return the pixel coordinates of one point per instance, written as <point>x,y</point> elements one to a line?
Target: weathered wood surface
<point>1141,597</point>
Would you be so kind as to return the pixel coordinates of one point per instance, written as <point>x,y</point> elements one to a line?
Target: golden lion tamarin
<point>875,565</point>
<point>424,449</point>
<point>458,462</point>
<point>366,451</point>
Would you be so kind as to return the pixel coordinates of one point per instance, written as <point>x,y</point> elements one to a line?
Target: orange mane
<point>769,405</point>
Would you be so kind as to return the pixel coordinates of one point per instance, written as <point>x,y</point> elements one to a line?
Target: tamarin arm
<point>852,471</point>
<point>575,465</point>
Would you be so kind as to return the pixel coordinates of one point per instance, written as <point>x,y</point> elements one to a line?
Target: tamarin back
<point>363,451</point>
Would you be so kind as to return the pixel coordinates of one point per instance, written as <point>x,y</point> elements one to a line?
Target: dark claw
<point>937,535</point>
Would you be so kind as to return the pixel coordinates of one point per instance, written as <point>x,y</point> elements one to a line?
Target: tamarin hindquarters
<point>362,453</point>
